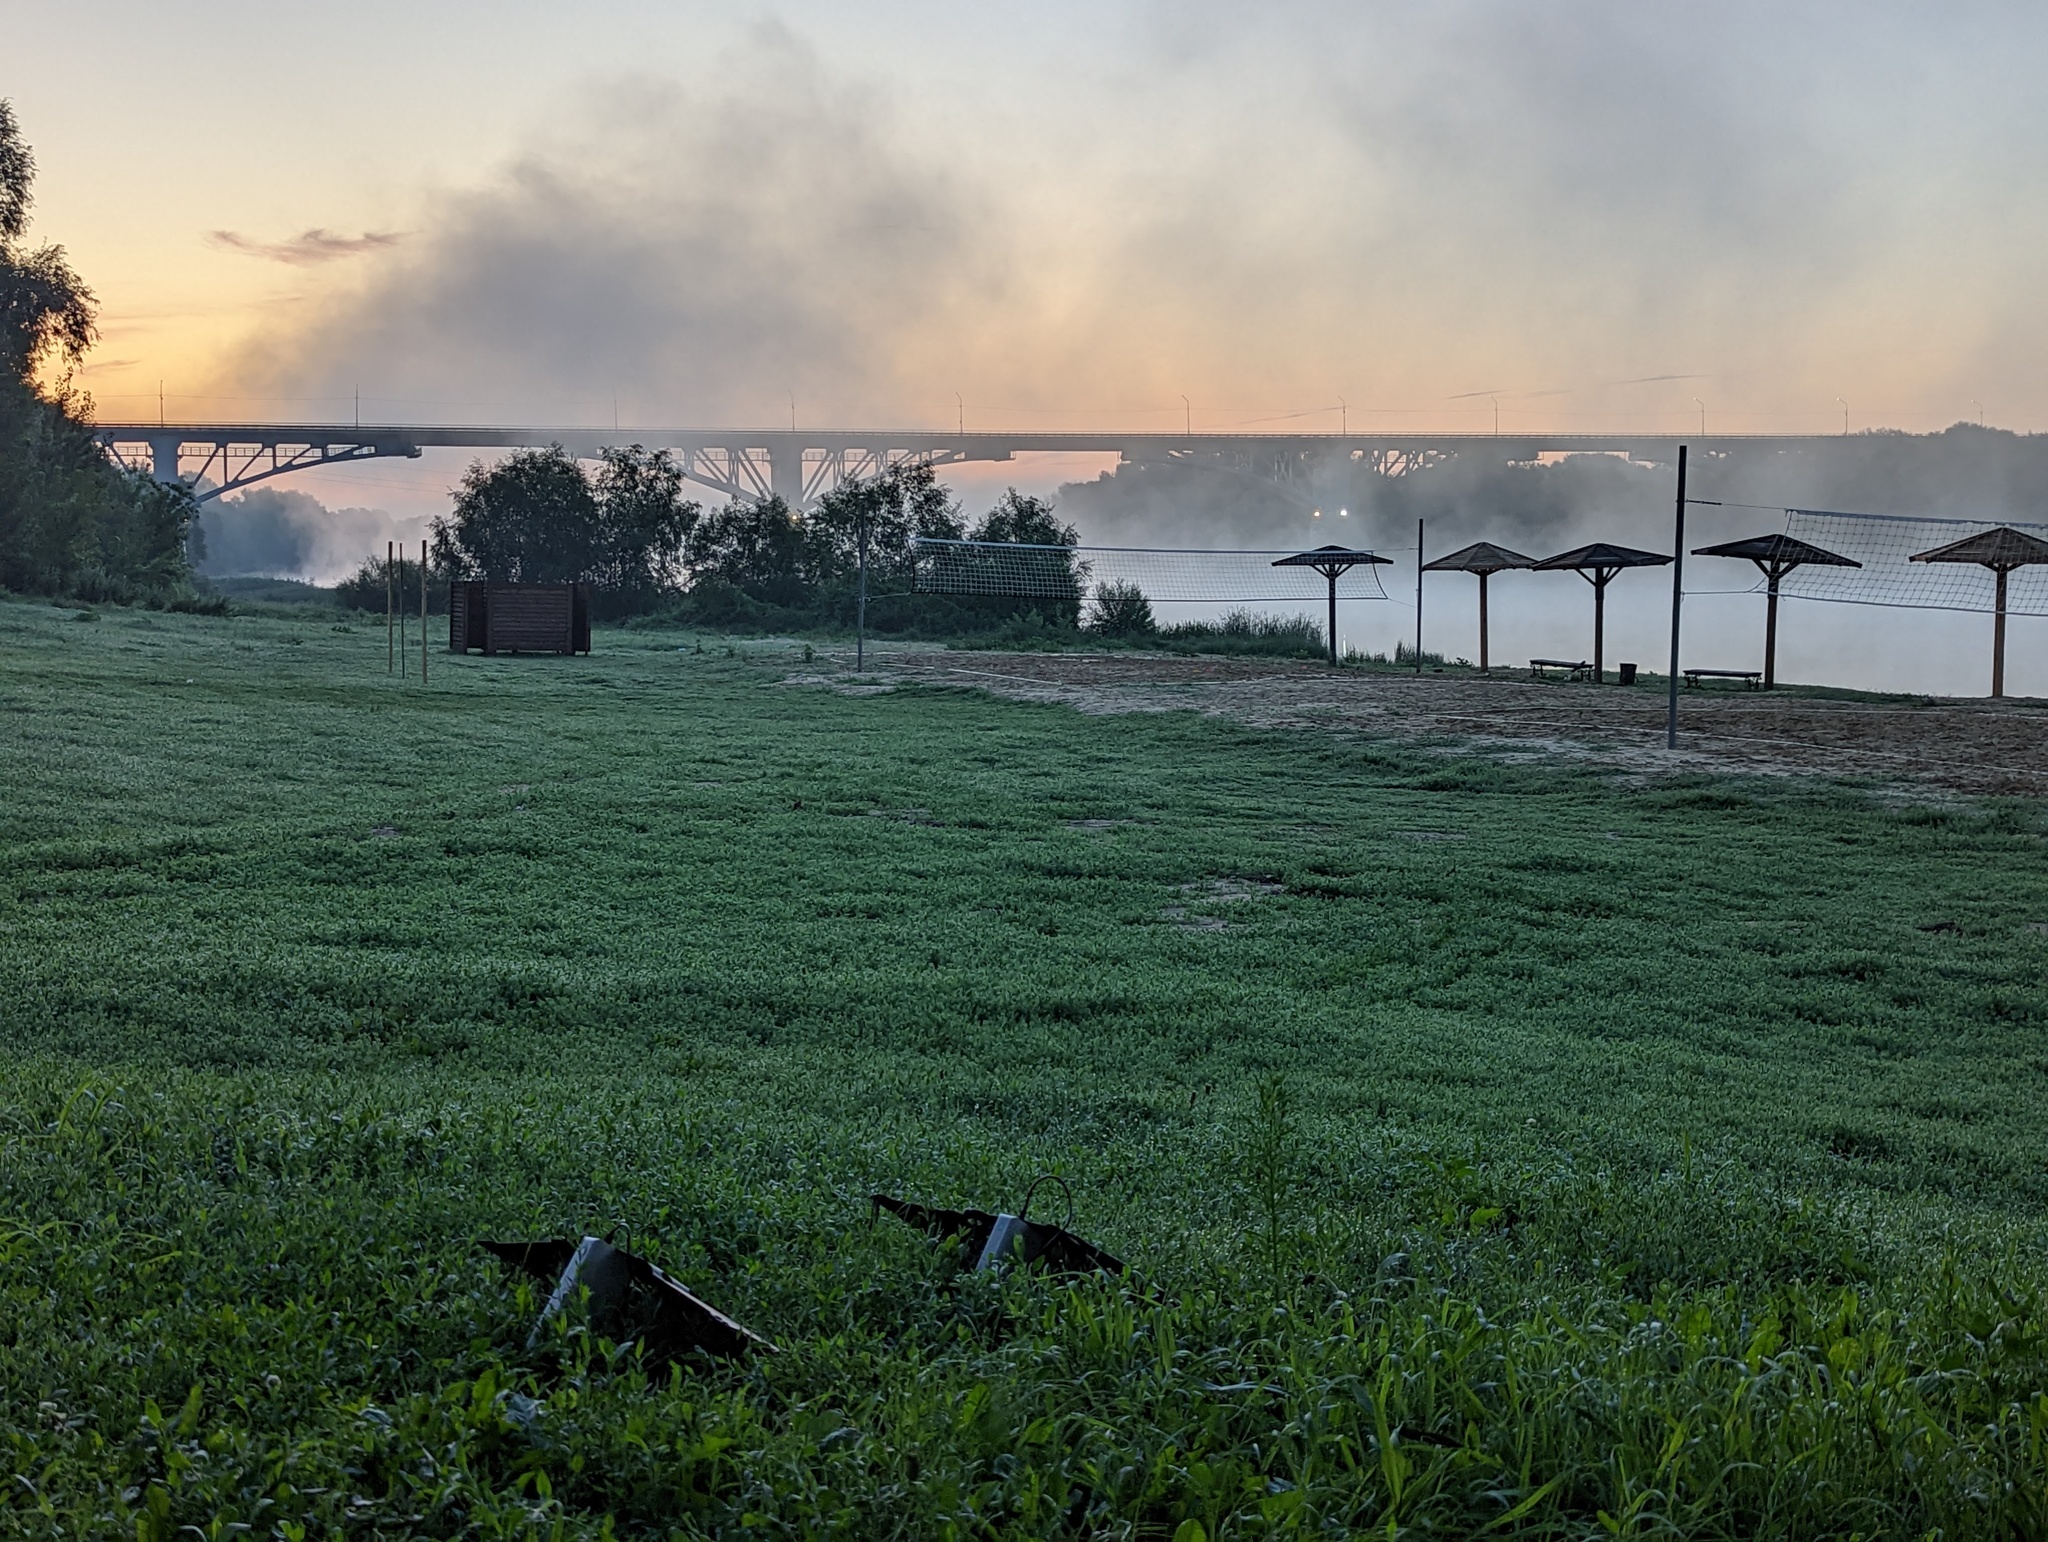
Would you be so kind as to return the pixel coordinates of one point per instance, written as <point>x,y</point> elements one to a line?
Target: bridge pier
<point>786,474</point>
<point>163,458</point>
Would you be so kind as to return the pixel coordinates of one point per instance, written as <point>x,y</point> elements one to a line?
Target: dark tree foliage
<point>1026,520</point>
<point>763,564</point>
<point>71,522</point>
<point>530,519</point>
<point>1121,610</point>
<point>538,517</point>
<point>755,548</point>
<point>643,523</point>
<point>904,503</point>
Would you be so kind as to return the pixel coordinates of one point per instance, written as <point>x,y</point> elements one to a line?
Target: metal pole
<point>423,613</point>
<point>1418,596</point>
<point>390,613</point>
<point>860,630</point>
<point>1677,600</point>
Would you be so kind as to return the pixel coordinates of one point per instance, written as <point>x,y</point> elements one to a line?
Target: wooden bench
<point>1578,669</point>
<point>1750,678</point>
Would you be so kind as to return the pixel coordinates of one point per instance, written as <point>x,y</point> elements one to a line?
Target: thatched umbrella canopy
<point>1597,564</point>
<point>1331,561</point>
<point>2000,550</point>
<point>1485,559</point>
<point>1775,556</point>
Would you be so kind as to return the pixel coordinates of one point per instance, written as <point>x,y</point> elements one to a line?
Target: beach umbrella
<point>2000,550</point>
<point>1597,564</point>
<point>1331,561</point>
<point>1775,556</point>
<point>1485,559</point>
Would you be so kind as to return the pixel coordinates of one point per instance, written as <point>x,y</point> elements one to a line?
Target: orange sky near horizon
<point>1606,216</point>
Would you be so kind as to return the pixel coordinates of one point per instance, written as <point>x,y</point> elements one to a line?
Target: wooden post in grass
<point>423,613</point>
<point>390,614</point>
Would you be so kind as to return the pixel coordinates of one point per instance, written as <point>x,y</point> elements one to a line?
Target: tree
<point>1024,520</point>
<point>44,305</point>
<point>905,502</point>
<point>530,519</point>
<point>537,517</point>
<point>1121,610</point>
<point>71,522</point>
<point>755,547</point>
<point>643,523</point>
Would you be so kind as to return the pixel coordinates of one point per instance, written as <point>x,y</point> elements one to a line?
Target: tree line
<point>625,528</point>
<point>71,522</point>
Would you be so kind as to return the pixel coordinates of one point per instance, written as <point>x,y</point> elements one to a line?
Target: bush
<point>1121,610</point>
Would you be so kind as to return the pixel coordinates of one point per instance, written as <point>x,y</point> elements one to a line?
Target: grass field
<point>1493,1146</point>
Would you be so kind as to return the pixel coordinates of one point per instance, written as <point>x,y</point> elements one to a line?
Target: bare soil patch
<point>1915,744</point>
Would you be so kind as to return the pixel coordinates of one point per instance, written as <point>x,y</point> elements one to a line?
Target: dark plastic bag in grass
<point>630,1298</point>
<point>997,1242</point>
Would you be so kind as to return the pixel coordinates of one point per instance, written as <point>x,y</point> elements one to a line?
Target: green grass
<point>1553,1152</point>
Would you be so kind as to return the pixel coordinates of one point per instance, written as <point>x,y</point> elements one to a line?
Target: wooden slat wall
<point>523,618</point>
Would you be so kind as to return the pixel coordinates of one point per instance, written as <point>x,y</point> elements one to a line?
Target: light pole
<point>1703,415</point>
<point>1980,411</point>
<point>1845,417</point>
<point>1343,417</point>
<point>960,402</point>
<point>1187,414</point>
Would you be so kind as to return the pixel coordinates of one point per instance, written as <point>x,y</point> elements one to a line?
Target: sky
<point>1613,214</point>
<point>1582,214</point>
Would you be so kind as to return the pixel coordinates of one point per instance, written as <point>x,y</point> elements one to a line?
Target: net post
<point>423,612</point>
<point>860,621</point>
<point>1677,600</point>
<point>1418,596</point>
<point>390,613</point>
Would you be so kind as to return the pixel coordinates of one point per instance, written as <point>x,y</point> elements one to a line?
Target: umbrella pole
<point>1599,627</point>
<point>1333,618</point>
<point>1482,623</point>
<point>1998,640</point>
<point>1771,630</point>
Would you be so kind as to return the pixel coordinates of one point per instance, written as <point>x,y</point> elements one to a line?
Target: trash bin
<point>1628,674</point>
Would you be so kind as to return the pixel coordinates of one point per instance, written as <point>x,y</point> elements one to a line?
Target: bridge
<point>801,466</point>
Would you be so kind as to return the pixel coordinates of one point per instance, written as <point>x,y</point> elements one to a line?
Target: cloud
<point>308,249</point>
<point>1264,208</point>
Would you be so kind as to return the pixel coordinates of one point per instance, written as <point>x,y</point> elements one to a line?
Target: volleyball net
<point>1885,545</point>
<point>1164,575</point>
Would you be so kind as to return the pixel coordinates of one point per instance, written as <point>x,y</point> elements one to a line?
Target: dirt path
<point>1966,746</point>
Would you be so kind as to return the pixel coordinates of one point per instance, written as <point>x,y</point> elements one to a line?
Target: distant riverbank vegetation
<point>71,522</point>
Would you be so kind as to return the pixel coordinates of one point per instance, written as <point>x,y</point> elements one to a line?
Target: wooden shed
<point>518,618</point>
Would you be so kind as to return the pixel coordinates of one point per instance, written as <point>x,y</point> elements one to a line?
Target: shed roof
<point>2004,547</point>
<point>1780,548</point>
<point>1479,557</point>
<point>1604,554</point>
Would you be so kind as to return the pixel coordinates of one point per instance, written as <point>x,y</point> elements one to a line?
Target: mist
<point>1591,216</point>
<point>1387,216</point>
<point>275,532</point>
